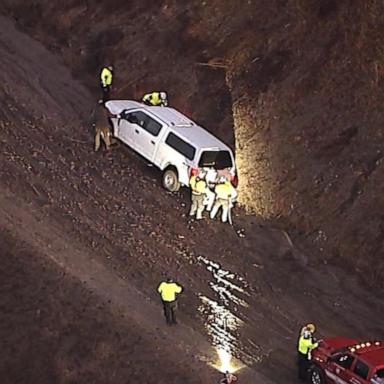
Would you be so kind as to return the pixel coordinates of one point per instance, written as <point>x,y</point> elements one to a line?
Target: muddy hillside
<point>86,237</point>
<point>295,86</point>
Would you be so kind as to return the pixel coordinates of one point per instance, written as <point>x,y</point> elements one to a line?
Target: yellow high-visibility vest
<point>168,291</point>
<point>306,345</point>
<point>153,98</point>
<point>197,187</point>
<point>106,77</point>
<point>224,190</point>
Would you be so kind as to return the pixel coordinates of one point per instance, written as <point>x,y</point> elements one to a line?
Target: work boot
<point>199,214</point>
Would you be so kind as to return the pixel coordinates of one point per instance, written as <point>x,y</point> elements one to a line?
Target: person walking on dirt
<point>229,378</point>
<point>225,196</point>
<point>101,125</point>
<point>168,291</point>
<point>156,99</point>
<point>304,348</point>
<point>198,188</point>
<point>106,79</point>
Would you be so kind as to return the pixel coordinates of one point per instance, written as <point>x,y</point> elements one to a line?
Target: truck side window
<point>145,122</point>
<point>361,369</point>
<point>181,146</point>
<point>152,126</point>
<point>344,361</point>
<point>138,118</point>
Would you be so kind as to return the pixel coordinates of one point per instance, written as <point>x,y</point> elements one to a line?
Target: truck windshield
<point>215,159</point>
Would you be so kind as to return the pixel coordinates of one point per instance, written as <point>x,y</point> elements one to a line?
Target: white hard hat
<point>163,95</point>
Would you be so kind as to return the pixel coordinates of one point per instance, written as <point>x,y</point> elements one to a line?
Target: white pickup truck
<point>171,141</point>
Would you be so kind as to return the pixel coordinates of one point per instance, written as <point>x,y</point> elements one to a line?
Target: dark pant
<point>303,365</point>
<point>169,311</point>
<point>106,92</point>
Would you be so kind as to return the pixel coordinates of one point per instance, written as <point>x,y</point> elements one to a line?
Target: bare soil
<point>298,83</point>
<point>86,237</point>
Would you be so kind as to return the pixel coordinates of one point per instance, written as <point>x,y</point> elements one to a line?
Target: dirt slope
<point>85,320</point>
<point>302,80</point>
<point>98,233</point>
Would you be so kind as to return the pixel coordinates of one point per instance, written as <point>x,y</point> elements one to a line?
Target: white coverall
<point>225,196</point>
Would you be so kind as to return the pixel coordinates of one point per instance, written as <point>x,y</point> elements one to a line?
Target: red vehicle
<point>339,360</point>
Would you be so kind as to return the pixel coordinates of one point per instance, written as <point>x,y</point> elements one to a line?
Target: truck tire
<point>315,375</point>
<point>170,180</point>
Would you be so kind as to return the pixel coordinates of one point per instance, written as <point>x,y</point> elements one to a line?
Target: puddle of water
<point>229,295</point>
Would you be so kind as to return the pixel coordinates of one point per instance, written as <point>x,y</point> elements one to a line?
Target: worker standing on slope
<point>106,79</point>
<point>156,99</point>
<point>168,291</point>
<point>198,190</point>
<point>304,348</point>
<point>101,124</point>
<point>225,196</point>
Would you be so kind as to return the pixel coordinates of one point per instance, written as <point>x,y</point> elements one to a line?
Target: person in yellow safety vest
<point>198,186</point>
<point>168,291</point>
<point>156,99</point>
<point>106,79</point>
<point>225,196</point>
<point>304,348</point>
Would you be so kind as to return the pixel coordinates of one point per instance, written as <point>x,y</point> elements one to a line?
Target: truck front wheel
<point>171,180</point>
<point>315,376</point>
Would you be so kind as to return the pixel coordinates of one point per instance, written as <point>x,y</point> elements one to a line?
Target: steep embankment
<point>306,84</point>
<point>305,78</point>
<point>309,127</point>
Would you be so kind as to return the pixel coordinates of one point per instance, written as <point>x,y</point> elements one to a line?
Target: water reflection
<point>221,313</point>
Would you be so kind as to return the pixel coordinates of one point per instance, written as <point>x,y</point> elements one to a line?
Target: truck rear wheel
<point>171,180</point>
<point>315,375</point>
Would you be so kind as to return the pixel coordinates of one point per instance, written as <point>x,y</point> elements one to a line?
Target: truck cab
<point>341,360</point>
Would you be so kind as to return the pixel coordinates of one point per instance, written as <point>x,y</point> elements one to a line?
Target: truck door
<point>126,126</point>
<point>359,373</point>
<point>147,136</point>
